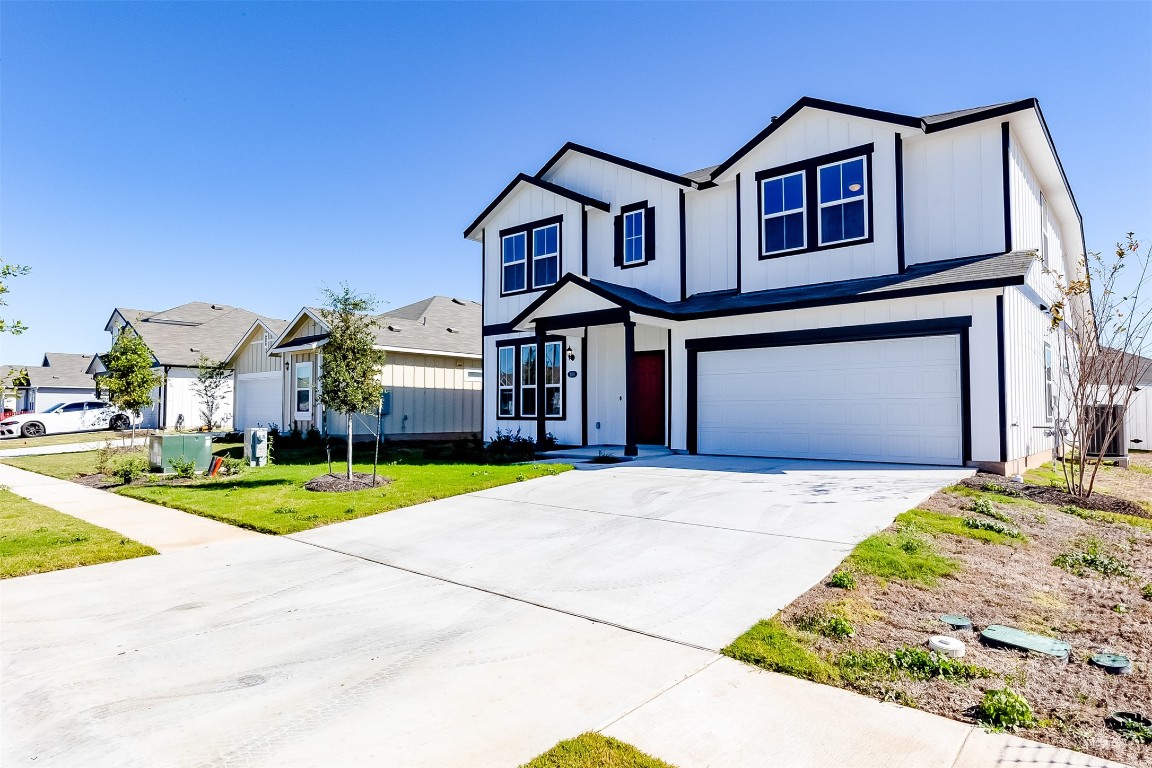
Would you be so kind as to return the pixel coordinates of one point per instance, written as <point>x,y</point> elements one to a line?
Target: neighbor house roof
<point>436,324</point>
<point>60,370</point>
<point>931,277</point>
<point>178,336</point>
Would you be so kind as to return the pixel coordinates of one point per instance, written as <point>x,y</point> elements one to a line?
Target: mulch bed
<point>102,482</point>
<point>333,483</point>
<point>1017,585</point>
<point>1043,494</point>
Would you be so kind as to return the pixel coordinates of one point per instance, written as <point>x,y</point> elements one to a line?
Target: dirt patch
<point>102,482</point>
<point>1054,496</point>
<point>334,483</point>
<point>1016,584</point>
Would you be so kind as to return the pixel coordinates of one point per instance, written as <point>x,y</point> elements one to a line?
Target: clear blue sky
<point>157,153</point>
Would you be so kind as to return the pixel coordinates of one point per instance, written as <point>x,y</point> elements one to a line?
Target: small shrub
<point>828,625</point>
<point>1091,557</point>
<point>313,438</point>
<point>1140,733</point>
<point>1146,592</point>
<point>842,580</point>
<point>232,466</point>
<point>985,507</point>
<point>992,525</point>
<point>183,467</point>
<point>911,662</point>
<point>1083,514</point>
<point>508,447</point>
<point>104,456</point>
<point>1004,708</point>
<point>521,478</point>
<point>130,468</point>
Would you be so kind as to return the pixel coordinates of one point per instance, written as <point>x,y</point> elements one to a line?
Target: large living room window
<point>530,256</point>
<point>517,379</point>
<point>815,204</point>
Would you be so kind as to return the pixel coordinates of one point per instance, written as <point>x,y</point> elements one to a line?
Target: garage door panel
<point>258,399</point>
<point>893,400</point>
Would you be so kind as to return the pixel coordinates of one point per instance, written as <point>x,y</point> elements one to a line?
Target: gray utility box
<point>256,446</point>
<point>163,448</point>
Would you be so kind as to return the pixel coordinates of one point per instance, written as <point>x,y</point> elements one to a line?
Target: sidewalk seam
<point>657,695</point>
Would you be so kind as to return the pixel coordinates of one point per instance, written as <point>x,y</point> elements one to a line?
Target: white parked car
<point>82,416</point>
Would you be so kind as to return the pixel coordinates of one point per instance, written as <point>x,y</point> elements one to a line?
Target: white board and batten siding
<point>892,400</point>
<point>954,194</point>
<point>1139,420</point>
<point>711,223</point>
<point>259,385</point>
<point>432,395</point>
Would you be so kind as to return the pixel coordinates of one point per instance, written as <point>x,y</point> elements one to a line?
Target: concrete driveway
<point>473,631</point>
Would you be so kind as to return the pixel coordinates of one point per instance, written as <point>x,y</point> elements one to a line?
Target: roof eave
<point>556,189</point>
<point>572,146</point>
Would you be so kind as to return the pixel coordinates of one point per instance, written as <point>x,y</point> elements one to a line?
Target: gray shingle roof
<point>437,324</point>
<point>931,277</point>
<point>944,116</point>
<point>59,370</point>
<point>179,335</point>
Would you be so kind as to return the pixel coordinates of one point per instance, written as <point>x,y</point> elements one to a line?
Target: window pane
<point>831,224</point>
<point>634,224</point>
<point>853,178</point>
<point>528,364</point>
<point>552,401</point>
<point>552,363</point>
<point>774,234</point>
<point>544,241</point>
<point>633,250</point>
<point>773,196</point>
<point>303,400</point>
<point>830,183</point>
<point>528,401</point>
<point>544,271</point>
<point>514,277</point>
<point>514,247</point>
<point>507,367</point>
<point>794,192</point>
<point>507,404</point>
<point>793,230</point>
<point>853,219</point>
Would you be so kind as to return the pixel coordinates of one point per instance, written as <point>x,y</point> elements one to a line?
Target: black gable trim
<point>572,146</point>
<point>987,114</point>
<point>548,186</point>
<point>829,106</point>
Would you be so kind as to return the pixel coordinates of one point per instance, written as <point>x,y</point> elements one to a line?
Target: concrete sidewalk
<point>164,529</point>
<point>42,450</point>
<point>733,715</point>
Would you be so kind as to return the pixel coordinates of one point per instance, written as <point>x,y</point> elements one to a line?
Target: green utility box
<point>162,448</point>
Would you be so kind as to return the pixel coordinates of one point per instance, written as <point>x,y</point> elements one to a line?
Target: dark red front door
<point>649,403</point>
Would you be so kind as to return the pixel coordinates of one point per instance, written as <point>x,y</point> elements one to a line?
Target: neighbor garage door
<point>258,399</point>
<point>893,400</point>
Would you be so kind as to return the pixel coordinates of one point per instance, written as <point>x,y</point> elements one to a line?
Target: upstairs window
<point>783,212</point>
<point>635,235</point>
<point>843,201</point>
<point>815,204</point>
<point>515,262</point>
<point>545,255</point>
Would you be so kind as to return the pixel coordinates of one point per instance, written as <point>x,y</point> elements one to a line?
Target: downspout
<point>164,401</point>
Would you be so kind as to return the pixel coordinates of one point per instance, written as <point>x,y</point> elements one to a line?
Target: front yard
<point>994,557</point>
<point>70,438</point>
<point>35,539</point>
<point>272,499</point>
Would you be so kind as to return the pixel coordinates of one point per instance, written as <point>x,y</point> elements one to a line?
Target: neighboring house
<point>177,337</point>
<point>850,284</point>
<point>60,378</point>
<point>259,376</point>
<point>432,372</point>
<point>1138,418</point>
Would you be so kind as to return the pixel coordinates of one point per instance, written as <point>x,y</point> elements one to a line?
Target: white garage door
<point>894,400</point>
<point>258,399</point>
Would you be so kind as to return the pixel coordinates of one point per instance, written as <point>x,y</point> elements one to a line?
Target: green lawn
<point>35,539</point>
<point>591,750</point>
<point>69,438</point>
<point>272,499</point>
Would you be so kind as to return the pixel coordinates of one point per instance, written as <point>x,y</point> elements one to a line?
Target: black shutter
<point>618,249</point>
<point>649,234</point>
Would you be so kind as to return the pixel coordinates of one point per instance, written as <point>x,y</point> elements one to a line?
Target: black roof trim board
<point>548,186</point>
<point>572,146</point>
<point>924,124</point>
<point>983,272</point>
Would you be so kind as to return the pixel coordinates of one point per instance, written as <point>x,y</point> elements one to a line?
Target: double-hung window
<point>843,201</point>
<point>514,255</point>
<point>518,380</point>
<point>303,391</point>
<point>530,256</point>
<point>506,381</point>
<point>528,380</point>
<point>783,212</point>
<point>545,255</point>
<point>634,237</point>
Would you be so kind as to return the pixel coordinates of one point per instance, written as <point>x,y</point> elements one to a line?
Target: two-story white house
<point>850,284</point>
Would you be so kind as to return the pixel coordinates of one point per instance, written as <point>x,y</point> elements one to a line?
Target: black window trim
<point>516,345</point>
<point>529,271</point>
<point>809,167</point>
<point>649,234</point>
